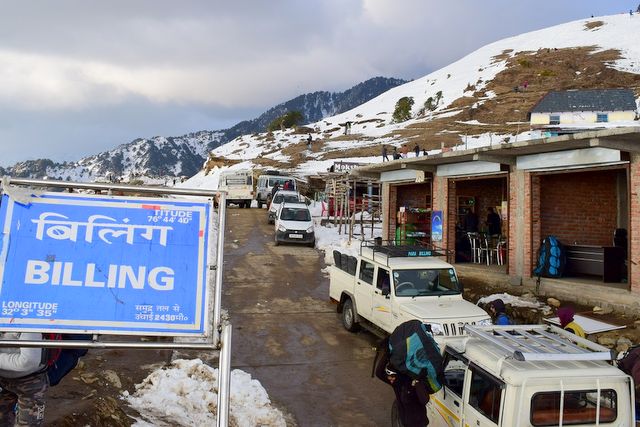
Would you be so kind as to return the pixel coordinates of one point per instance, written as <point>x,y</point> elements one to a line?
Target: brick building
<point>583,188</point>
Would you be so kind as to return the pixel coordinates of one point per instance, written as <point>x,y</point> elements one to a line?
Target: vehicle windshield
<point>426,282</point>
<point>280,181</point>
<point>237,180</point>
<point>295,214</point>
<point>288,198</point>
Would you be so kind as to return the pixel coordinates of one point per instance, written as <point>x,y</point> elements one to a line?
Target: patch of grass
<point>592,25</point>
<point>524,63</point>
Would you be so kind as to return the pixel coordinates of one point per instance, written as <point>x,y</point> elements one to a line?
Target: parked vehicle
<point>266,183</point>
<point>239,186</point>
<point>294,224</point>
<point>530,375</point>
<point>280,197</point>
<point>386,285</point>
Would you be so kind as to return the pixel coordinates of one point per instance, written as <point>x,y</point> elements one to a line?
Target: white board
<point>590,326</point>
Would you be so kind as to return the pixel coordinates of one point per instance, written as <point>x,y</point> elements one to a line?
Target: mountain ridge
<point>177,156</point>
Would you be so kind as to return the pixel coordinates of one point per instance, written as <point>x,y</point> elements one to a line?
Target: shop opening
<point>480,224</point>
<point>588,212</point>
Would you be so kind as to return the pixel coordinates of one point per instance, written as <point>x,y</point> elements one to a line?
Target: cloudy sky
<point>79,77</point>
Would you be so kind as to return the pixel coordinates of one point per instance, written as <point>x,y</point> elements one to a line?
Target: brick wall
<point>533,237</point>
<point>577,207</point>
<point>634,228</point>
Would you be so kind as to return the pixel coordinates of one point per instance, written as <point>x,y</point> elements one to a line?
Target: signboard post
<point>103,264</point>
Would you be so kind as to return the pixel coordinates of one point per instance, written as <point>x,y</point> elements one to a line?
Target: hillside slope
<point>477,101</point>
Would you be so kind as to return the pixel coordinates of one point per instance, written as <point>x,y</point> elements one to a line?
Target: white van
<point>294,224</point>
<point>530,376</point>
<point>239,186</point>
<point>266,183</point>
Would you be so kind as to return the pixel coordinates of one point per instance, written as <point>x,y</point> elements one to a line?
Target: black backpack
<point>552,258</point>
<point>414,352</point>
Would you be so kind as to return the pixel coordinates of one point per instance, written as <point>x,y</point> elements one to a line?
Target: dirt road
<point>287,333</point>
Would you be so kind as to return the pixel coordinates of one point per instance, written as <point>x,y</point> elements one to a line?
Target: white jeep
<point>385,286</point>
<point>530,375</point>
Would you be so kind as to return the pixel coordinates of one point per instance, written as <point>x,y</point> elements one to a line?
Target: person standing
<point>493,222</point>
<point>385,157</point>
<point>416,150</point>
<point>565,314</point>
<point>396,155</point>
<point>309,141</point>
<point>497,310</point>
<point>404,151</point>
<point>411,396</point>
<point>23,380</point>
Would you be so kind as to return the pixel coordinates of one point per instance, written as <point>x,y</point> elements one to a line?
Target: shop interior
<point>481,221</point>
<point>588,212</point>
<point>413,216</point>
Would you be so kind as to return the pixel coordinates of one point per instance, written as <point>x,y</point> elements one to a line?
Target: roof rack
<point>390,249</point>
<point>540,343</point>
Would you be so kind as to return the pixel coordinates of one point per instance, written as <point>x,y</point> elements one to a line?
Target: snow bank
<point>186,394</point>
<point>328,239</point>
<point>515,301</point>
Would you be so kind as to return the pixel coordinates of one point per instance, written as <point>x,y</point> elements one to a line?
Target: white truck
<point>239,186</point>
<point>530,376</point>
<point>386,285</point>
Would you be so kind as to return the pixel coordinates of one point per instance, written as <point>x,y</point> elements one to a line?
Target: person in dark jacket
<point>411,395</point>
<point>385,156</point>
<point>497,312</point>
<point>493,222</point>
<point>416,150</point>
<point>630,365</point>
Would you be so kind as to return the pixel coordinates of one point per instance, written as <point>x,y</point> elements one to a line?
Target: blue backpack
<point>413,352</point>
<point>552,258</point>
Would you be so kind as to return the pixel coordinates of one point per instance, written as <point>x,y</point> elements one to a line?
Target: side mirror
<point>386,292</point>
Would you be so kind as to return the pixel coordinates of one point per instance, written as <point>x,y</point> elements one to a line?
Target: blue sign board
<point>111,265</point>
<point>436,226</point>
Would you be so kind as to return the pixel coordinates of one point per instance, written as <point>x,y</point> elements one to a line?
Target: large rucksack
<point>414,352</point>
<point>551,259</point>
<point>58,362</point>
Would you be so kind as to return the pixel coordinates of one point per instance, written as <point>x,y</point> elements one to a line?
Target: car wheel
<point>276,241</point>
<point>349,316</point>
<point>312,244</point>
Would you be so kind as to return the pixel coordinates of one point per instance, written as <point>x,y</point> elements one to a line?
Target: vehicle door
<point>381,301</point>
<point>364,288</point>
<point>445,407</point>
<point>483,399</point>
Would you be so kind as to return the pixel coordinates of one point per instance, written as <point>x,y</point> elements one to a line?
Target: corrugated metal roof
<point>587,100</point>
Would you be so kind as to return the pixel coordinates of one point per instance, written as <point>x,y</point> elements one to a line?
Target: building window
<point>554,119</point>
<point>602,118</point>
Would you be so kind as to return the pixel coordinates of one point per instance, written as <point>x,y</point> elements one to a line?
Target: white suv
<point>282,196</point>
<point>294,224</point>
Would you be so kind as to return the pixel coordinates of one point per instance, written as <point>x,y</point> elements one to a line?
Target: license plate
<point>295,236</point>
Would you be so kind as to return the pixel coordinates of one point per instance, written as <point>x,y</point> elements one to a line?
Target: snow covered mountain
<point>478,100</point>
<point>160,158</point>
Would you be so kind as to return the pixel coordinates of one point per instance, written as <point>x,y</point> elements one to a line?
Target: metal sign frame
<point>218,337</point>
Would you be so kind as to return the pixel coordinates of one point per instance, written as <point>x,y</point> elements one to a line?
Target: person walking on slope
<point>497,312</point>
<point>565,314</point>
<point>385,157</point>
<point>23,379</point>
